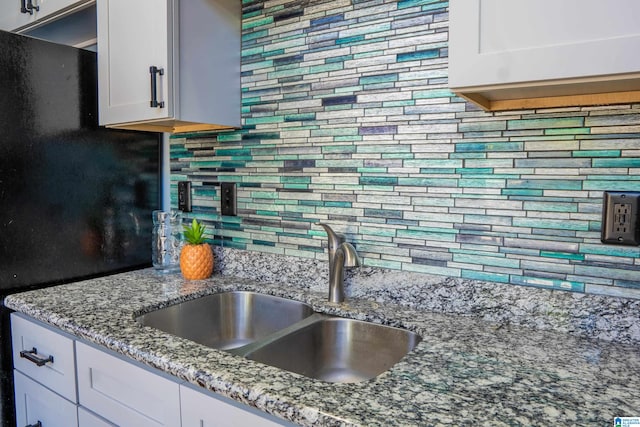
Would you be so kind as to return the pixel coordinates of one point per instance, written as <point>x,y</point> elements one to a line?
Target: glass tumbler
<point>166,240</point>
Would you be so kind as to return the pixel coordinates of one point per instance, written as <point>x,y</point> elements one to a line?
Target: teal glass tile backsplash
<point>348,119</point>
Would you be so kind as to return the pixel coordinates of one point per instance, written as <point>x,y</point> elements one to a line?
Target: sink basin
<point>227,320</point>
<point>338,350</point>
<point>286,334</point>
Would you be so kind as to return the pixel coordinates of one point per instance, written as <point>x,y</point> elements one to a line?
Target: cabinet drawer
<point>59,374</point>
<point>123,393</point>
<point>36,403</point>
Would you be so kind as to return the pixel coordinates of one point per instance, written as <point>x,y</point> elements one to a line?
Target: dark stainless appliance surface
<point>75,198</point>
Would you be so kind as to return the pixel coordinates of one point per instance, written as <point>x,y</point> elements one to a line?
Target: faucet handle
<point>351,258</point>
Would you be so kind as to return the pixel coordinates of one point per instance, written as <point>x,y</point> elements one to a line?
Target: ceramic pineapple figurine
<point>196,257</point>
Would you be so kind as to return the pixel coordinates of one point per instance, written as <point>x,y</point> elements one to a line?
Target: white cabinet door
<point>47,356</point>
<point>13,17</point>
<point>35,403</point>
<point>87,419</point>
<point>497,42</point>
<point>197,44</point>
<point>569,52</point>
<point>132,37</point>
<point>125,394</point>
<point>202,410</point>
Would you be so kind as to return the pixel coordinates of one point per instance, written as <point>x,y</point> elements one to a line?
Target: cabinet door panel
<point>133,36</point>
<point>87,419</point>
<point>123,393</point>
<point>36,403</point>
<point>201,410</point>
<point>496,42</point>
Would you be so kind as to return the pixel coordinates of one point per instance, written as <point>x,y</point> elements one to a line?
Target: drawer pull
<point>32,356</point>
<point>37,424</point>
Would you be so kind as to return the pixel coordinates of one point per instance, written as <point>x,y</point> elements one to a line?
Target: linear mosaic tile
<point>347,119</point>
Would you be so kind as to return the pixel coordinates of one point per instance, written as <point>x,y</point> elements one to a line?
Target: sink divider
<point>245,350</point>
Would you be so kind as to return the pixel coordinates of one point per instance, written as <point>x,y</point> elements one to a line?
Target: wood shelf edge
<point>180,127</point>
<point>582,100</point>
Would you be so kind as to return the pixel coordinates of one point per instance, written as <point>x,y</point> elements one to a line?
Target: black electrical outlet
<point>620,218</point>
<point>228,204</point>
<point>184,196</point>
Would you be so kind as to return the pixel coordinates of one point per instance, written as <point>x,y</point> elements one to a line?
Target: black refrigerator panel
<point>75,199</point>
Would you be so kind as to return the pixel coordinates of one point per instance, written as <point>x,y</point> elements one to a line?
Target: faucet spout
<point>341,255</point>
<point>345,256</point>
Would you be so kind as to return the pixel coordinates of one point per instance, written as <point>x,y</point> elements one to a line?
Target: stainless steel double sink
<point>286,334</point>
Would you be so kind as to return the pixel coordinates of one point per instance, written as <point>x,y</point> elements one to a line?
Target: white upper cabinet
<point>16,15</point>
<point>544,53</point>
<point>169,65</point>
<point>133,37</point>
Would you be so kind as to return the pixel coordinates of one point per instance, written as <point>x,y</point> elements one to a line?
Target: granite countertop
<point>465,370</point>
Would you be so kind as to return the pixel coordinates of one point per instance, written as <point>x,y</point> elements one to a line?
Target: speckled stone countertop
<point>466,371</point>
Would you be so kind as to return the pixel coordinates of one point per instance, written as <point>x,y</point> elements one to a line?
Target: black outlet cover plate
<point>228,203</point>
<point>184,196</point>
<point>616,228</point>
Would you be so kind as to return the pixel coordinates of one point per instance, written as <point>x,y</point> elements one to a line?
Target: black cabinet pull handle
<point>23,7</point>
<point>32,356</point>
<point>26,6</point>
<point>31,7</point>
<point>154,71</point>
<point>38,424</point>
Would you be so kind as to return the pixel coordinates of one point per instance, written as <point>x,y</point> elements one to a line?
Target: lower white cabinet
<point>88,419</point>
<point>111,390</point>
<point>37,404</point>
<point>204,410</point>
<point>123,393</point>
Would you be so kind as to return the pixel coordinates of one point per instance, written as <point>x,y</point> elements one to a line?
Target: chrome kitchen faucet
<point>341,255</point>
